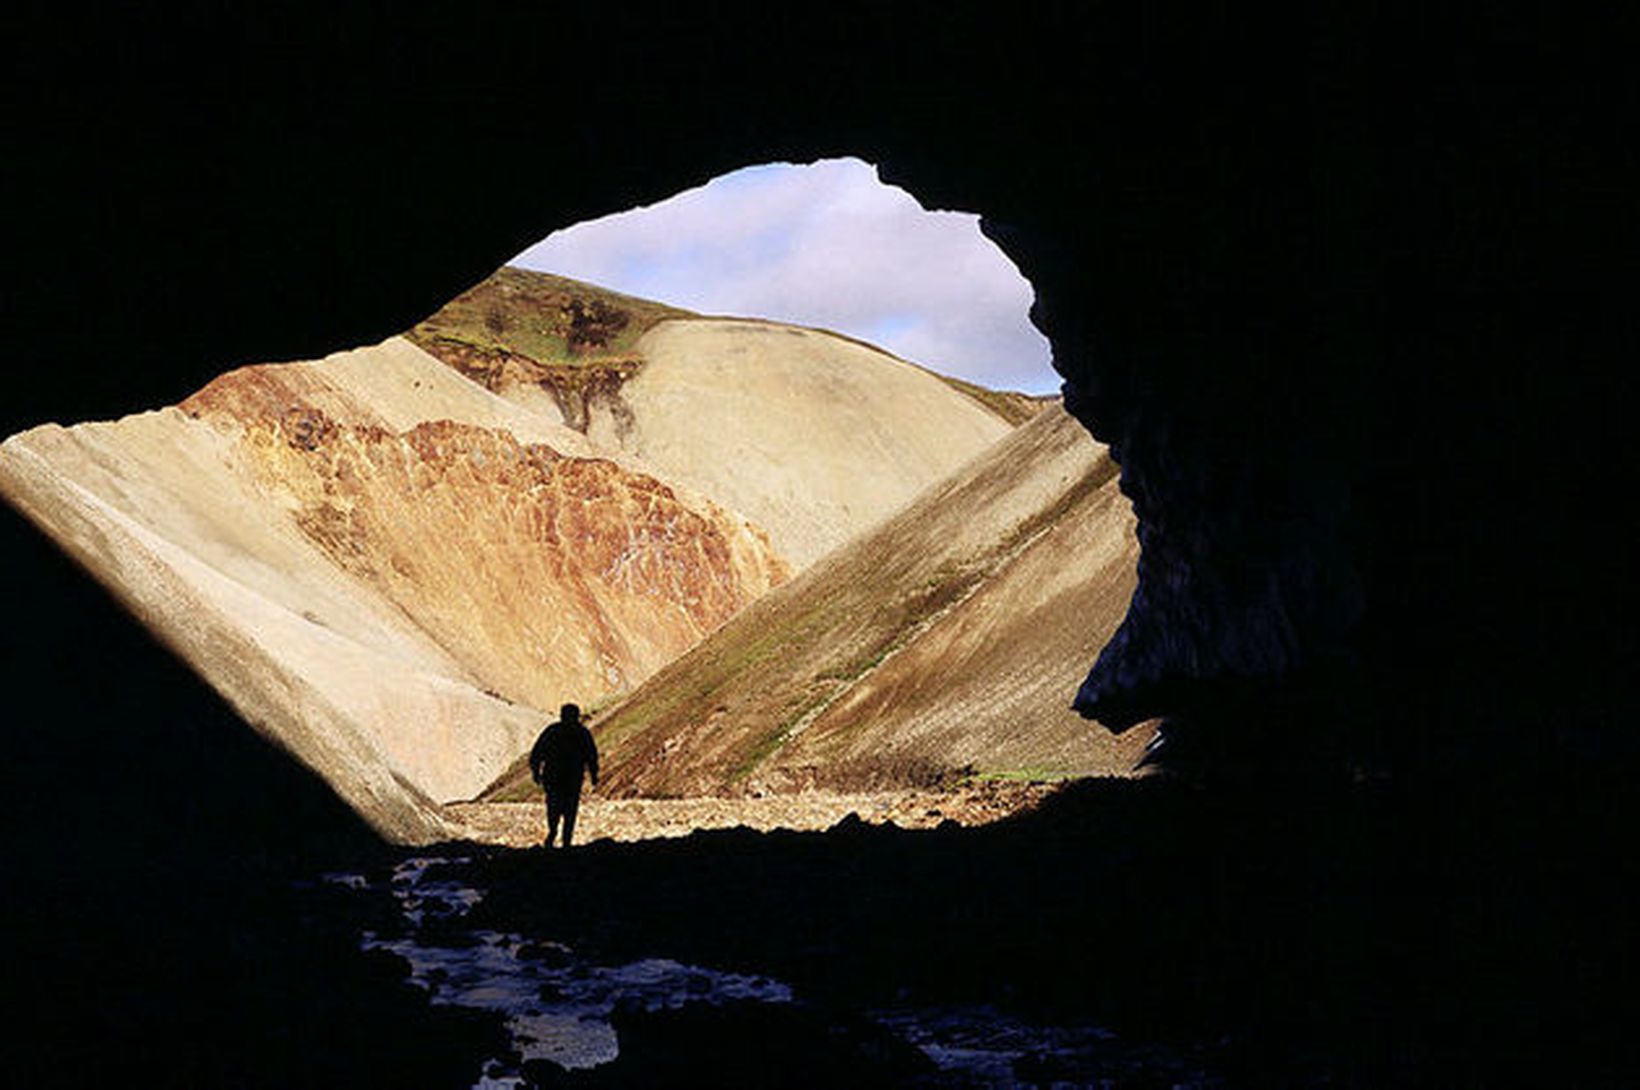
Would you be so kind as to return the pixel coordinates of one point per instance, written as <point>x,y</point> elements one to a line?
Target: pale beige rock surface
<point>732,408</point>
<point>234,636</point>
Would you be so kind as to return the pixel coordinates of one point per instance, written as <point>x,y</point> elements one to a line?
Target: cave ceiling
<point>1219,217</point>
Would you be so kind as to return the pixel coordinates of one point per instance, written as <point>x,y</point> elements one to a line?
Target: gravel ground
<point>523,824</point>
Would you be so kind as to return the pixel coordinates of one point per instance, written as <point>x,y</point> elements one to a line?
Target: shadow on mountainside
<point>1309,936</point>
<point>150,929</point>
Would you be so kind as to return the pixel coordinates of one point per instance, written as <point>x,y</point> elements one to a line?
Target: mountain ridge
<point>579,340</point>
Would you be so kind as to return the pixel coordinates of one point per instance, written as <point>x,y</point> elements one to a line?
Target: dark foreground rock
<point>1317,935</point>
<point>174,989</point>
<point>745,1044</point>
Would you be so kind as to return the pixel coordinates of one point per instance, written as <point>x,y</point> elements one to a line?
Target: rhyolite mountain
<point>810,435</point>
<point>941,643</point>
<point>394,559</point>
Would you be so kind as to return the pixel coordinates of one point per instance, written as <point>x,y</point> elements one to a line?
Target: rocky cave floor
<point>1106,933</point>
<point>811,939</point>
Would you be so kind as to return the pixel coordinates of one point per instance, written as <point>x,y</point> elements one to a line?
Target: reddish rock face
<point>386,569</point>
<point>547,577</point>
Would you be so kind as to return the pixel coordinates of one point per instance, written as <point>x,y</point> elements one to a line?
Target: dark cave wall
<point>1346,295</point>
<point>1281,264</point>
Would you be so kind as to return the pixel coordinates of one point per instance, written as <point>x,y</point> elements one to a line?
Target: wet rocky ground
<point>1118,934</point>
<point>594,1007</point>
<point>1109,934</point>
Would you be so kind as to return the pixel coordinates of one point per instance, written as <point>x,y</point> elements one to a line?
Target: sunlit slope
<point>948,639</point>
<point>734,408</point>
<point>812,436</point>
<point>385,567</point>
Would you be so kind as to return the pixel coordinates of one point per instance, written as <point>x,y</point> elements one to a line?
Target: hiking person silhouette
<point>564,750</point>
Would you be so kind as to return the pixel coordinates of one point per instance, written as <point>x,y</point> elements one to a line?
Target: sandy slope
<point>985,682</point>
<point>734,408</point>
<point>949,636</point>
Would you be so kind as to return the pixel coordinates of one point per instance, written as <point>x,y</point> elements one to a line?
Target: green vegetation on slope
<point>540,325</point>
<point>1013,407</point>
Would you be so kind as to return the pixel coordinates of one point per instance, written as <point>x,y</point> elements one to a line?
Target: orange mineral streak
<point>541,574</point>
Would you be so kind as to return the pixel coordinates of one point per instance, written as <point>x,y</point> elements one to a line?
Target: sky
<point>826,245</point>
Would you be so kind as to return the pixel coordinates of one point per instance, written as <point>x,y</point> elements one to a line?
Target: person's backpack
<point>544,757</point>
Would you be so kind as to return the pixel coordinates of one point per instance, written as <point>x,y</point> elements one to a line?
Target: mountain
<point>810,435</point>
<point>945,641</point>
<point>391,562</point>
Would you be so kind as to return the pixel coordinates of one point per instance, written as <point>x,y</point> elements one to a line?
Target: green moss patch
<point>538,321</point>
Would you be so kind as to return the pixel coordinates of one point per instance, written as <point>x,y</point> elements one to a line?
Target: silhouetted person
<point>563,752</point>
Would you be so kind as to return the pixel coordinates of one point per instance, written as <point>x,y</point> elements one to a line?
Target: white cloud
<point>827,245</point>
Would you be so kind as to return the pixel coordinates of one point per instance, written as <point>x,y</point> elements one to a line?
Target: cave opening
<point>750,339</point>
<point>1295,271</point>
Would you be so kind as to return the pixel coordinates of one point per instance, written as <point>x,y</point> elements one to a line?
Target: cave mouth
<point>1411,201</point>
<point>436,669</point>
<point>589,325</point>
